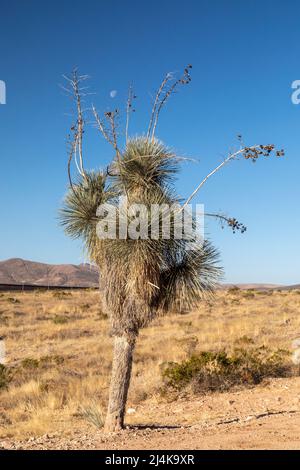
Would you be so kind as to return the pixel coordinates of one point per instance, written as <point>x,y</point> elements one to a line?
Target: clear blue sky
<point>245,56</point>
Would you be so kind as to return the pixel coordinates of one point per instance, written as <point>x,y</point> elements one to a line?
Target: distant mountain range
<point>253,286</point>
<point>19,271</point>
<point>22,272</point>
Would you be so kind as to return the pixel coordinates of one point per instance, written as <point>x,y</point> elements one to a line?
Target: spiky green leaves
<point>190,273</point>
<point>144,164</point>
<point>78,215</point>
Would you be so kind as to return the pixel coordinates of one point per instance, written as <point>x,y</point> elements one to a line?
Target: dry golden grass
<point>59,351</point>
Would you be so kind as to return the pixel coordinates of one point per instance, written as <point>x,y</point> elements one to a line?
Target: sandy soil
<point>264,417</point>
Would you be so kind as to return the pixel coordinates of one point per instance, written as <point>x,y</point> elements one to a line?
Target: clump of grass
<point>13,300</point>
<point>61,294</point>
<point>40,291</point>
<point>3,319</point>
<point>85,307</point>
<point>101,315</point>
<point>33,368</point>
<point>30,363</point>
<point>93,414</point>
<point>4,376</point>
<point>54,359</point>
<point>248,294</point>
<point>188,344</point>
<point>244,340</point>
<point>44,361</point>
<point>264,292</point>
<point>18,313</point>
<point>234,290</point>
<point>60,319</point>
<point>220,371</point>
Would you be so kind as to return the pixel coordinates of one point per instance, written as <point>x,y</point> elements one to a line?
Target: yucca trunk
<point>119,385</point>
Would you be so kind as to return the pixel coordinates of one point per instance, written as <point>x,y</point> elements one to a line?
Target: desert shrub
<point>4,319</point>
<point>188,344</point>
<point>244,340</point>
<point>60,319</point>
<point>73,333</point>
<point>13,300</point>
<point>4,376</point>
<point>31,367</point>
<point>55,359</point>
<point>40,290</point>
<point>44,361</point>
<point>101,315</point>
<point>18,313</point>
<point>265,293</point>
<point>85,307</point>
<point>212,371</point>
<point>61,294</point>
<point>4,419</point>
<point>248,294</point>
<point>234,289</point>
<point>30,363</point>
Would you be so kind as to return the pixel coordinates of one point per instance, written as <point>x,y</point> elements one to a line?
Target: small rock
<point>5,445</point>
<point>249,418</point>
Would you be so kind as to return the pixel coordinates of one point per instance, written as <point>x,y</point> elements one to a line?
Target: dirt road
<point>264,417</point>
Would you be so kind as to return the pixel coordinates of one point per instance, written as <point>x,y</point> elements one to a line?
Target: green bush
<point>60,319</point>
<point>211,371</point>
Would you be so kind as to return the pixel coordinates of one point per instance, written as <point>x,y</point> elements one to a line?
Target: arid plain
<point>58,359</point>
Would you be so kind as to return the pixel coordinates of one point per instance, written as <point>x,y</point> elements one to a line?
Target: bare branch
<point>80,120</point>
<point>101,125</point>
<point>157,98</point>
<point>129,109</point>
<point>77,92</point>
<point>110,133</point>
<point>163,94</point>
<point>249,153</point>
<point>73,145</point>
<point>111,118</point>
<point>232,222</point>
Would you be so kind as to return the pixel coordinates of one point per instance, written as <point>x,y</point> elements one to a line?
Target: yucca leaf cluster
<point>140,278</point>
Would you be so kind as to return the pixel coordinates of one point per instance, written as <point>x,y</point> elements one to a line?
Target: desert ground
<point>54,386</point>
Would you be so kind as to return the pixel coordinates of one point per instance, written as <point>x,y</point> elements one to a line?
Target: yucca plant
<point>145,276</point>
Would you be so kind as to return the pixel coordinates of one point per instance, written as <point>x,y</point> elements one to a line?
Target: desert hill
<point>19,271</point>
